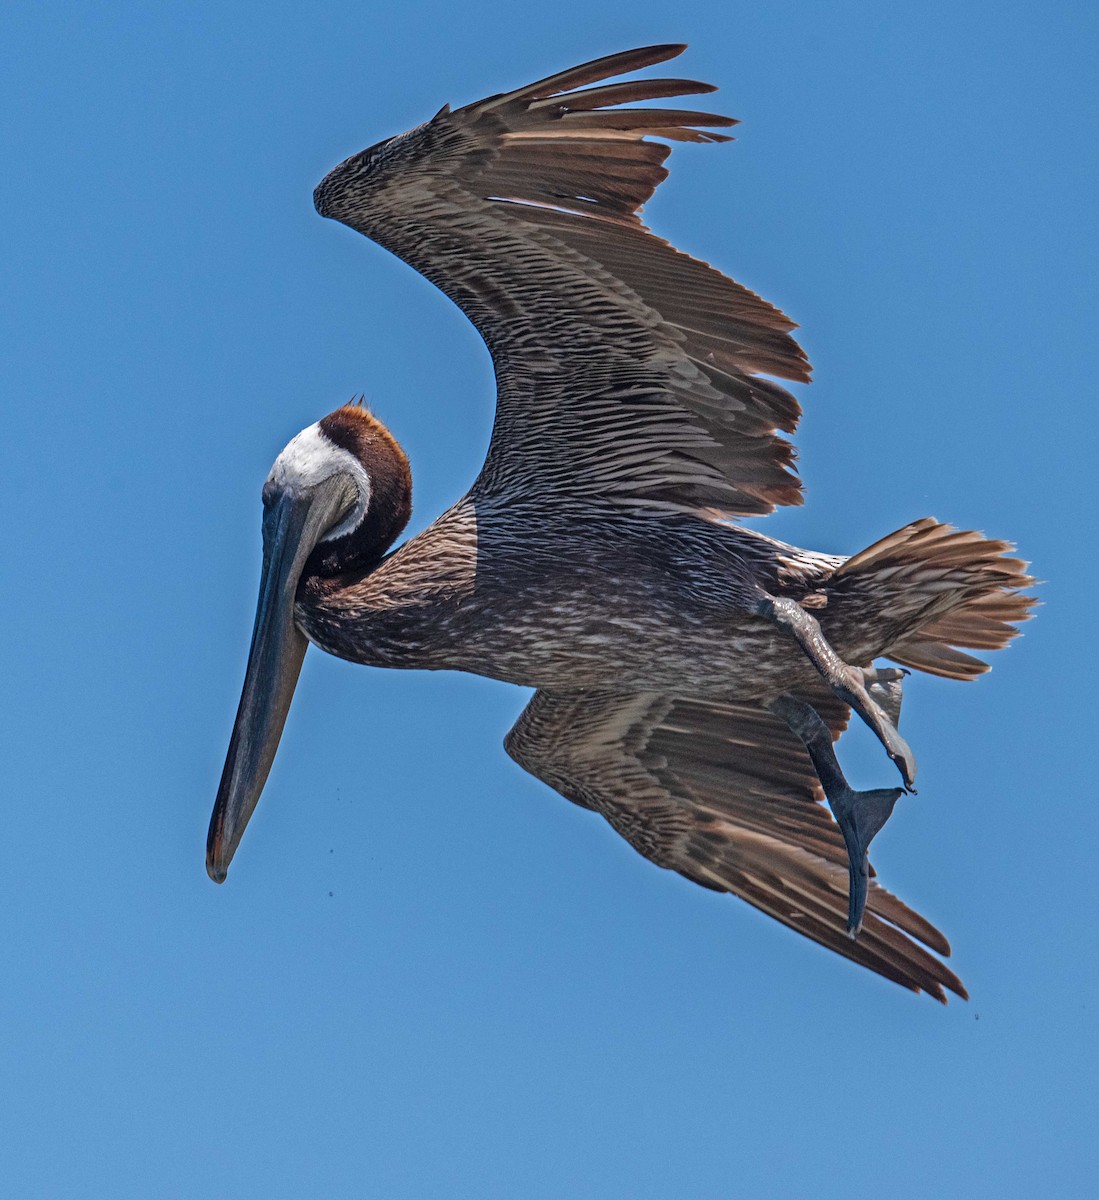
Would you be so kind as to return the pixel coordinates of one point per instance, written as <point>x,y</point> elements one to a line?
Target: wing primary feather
<point>623,93</point>
<point>589,72</point>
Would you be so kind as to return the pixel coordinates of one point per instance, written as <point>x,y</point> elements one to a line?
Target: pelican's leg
<point>859,814</point>
<point>869,691</point>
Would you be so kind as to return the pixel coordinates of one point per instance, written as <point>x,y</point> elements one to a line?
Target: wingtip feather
<point>585,73</point>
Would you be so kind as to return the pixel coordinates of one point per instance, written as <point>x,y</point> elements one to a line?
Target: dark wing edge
<point>624,367</point>
<point>725,795</point>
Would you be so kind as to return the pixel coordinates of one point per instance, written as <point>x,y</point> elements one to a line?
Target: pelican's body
<point>573,600</point>
<point>691,675</point>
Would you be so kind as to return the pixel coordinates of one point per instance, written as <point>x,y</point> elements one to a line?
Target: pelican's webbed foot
<point>859,814</point>
<point>874,693</point>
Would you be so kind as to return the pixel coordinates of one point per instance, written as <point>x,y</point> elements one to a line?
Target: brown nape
<point>355,429</point>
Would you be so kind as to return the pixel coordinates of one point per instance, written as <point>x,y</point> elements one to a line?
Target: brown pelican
<point>691,675</point>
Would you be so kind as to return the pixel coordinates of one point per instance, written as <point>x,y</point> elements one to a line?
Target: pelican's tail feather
<point>930,589</point>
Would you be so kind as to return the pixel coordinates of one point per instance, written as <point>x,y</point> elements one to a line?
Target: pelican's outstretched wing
<point>624,368</point>
<point>726,795</point>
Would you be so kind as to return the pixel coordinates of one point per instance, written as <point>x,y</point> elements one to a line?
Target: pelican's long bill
<point>293,522</point>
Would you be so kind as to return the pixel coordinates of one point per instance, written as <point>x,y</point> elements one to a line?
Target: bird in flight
<point>691,675</point>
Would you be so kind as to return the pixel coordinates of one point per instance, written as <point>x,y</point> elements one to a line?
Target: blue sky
<point>428,975</point>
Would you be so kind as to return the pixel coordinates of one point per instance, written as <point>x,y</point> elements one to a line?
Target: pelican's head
<point>335,500</point>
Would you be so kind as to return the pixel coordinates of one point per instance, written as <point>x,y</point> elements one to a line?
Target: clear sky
<point>428,975</point>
